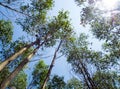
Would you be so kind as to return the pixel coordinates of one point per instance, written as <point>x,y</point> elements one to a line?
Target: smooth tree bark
<point>6,82</point>
<point>84,76</point>
<point>15,55</point>
<point>51,66</point>
<point>90,83</point>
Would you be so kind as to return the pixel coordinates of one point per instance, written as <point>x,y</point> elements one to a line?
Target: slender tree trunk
<point>6,82</point>
<point>89,78</point>
<point>51,66</point>
<point>15,55</point>
<point>93,86</point>
<point>85,79</point>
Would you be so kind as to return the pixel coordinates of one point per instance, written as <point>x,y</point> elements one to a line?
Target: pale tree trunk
<point>51,66</point>
<point>15,55</point>
<point>6,82</point>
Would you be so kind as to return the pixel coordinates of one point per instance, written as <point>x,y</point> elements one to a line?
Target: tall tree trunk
<point>6,82</point>
<point>93,86</point>
<point>15,55</point>
<point>85,72</point>
<point>51,66</point>
<point>84,75</point>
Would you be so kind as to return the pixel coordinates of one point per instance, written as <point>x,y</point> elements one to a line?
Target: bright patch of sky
<point>109,7</point>
<point>107,4</point>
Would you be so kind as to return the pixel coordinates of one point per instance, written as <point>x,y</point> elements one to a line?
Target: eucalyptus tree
<point>46,33</point>
<point>6,31</point>
<point>40,15</point>
<point>104,24</point>
<point>7,48</point>
<point>103,27</point>
<point>81,58</point>
<point>15,55</point>
<point>14,46</point>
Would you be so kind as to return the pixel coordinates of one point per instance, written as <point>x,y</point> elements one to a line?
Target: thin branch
<point>8,7</point>
<point>41,58</point>
<point>3,14</point>
<point>46,57</point>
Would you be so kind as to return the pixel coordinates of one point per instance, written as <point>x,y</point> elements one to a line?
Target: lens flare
<point>109,4</point>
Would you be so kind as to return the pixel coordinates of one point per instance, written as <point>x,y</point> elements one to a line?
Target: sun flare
<point>109,4</point>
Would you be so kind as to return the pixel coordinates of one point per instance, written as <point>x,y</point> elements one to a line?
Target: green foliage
<point>62,24</point>
<point>107,80</point>
<point>3,74</point>
<point>81,58</point>
<point>73,43</point>
<point>101,29</point>
<point>20,81</point>
<point>74,83</point>
<point>104,28</point>
<point>37,10</point>
<point>42,4</point>
<point>59,27</point>
<point>56,82</point>
<point>39,74</point>
<point>6,31</point>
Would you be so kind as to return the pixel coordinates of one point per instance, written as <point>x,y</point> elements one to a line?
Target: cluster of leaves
<point>20,81</point>
<point>38,12</point>
<point>54,82</point>
<point>39,73</point>
<point>5,31</point>
<point>107,80</point>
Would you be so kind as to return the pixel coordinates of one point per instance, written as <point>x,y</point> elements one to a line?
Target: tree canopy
<point>93,69</point>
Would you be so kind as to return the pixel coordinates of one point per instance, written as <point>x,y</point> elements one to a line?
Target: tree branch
<point>6,6</point>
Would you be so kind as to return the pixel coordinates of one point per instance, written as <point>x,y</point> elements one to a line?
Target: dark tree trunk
<point>51,66</point>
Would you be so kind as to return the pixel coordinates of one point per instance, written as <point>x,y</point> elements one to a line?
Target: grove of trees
<point>92,69</point>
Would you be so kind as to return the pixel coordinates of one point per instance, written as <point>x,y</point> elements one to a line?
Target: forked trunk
<point>15,55</point>
<point>6,82</point>
<point>88,78</point>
